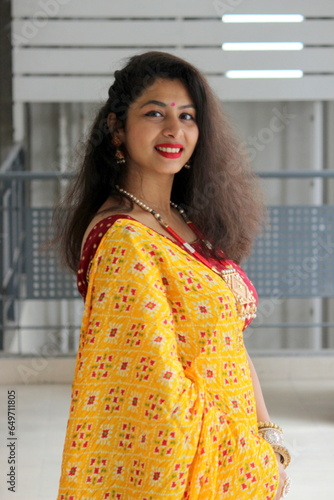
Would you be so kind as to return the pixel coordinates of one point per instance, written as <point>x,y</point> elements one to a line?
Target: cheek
<point>195,137</point>
<point>132,139</point>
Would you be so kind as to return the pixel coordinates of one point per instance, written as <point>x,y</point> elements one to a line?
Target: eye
<point>187,116</point>
<point>154,113</point>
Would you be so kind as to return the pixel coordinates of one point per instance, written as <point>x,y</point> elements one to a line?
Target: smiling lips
<point>169,150</point>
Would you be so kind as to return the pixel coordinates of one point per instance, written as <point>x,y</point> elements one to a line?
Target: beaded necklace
<point>246,303</point>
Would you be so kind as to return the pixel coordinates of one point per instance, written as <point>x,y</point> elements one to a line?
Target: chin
<point>170,170</point>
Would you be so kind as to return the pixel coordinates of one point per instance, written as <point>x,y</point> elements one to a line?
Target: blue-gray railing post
<point>11,192</point>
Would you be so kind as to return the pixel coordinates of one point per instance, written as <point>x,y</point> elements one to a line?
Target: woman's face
<point>160,132</point>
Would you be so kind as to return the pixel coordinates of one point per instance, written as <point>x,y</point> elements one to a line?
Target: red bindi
<point>173,104</point>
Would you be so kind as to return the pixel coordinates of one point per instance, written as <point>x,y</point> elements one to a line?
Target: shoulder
<point>124,231</point>
<point>99,226</point>
<point>108,213</point>
<point>120,233</point>
<point>128,251</point>
<point>106,236</point>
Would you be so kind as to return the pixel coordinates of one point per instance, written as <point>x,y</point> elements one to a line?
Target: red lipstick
<point>169,150</point>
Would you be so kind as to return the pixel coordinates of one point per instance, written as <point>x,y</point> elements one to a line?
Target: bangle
<point>273,434</point>
<point>268,425</point>
<point>284,453</point>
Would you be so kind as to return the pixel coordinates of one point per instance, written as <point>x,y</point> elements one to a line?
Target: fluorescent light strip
<point>276,73</point>
<point>263,46</point>
<point>262,18</point>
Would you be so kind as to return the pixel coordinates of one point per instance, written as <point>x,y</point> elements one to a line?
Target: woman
<point>166,403</point>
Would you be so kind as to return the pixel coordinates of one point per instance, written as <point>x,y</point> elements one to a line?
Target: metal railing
<point>12,234</point>
<point>27,273</point>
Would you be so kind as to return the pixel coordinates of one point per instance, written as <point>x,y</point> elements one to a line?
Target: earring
<point>187,165</point>
<point>119,155</point>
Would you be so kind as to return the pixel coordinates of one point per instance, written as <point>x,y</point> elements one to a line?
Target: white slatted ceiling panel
<point>171,33</point>
<point>172,8</point>
<point>67,50</point>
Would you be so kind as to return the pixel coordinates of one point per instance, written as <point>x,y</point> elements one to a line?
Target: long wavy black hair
<point>219,192</point>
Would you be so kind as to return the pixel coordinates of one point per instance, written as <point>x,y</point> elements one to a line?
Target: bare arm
<point>263,415</point>
<point>261,409</point>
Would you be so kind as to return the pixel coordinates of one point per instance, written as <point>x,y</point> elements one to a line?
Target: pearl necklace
<point>164,224</point>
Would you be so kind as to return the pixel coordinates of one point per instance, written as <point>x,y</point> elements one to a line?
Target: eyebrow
<point>164,105</point>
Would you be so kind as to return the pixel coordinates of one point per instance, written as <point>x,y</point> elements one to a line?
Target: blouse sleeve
<point>135,417</point>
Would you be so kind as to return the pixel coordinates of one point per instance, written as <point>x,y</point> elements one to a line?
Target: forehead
<point>167,91</point>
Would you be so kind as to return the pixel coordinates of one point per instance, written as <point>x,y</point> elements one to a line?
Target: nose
<point>172,127</point>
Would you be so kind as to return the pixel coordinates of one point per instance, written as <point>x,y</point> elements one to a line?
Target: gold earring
<point>187,165</point>
<point>119,155</point>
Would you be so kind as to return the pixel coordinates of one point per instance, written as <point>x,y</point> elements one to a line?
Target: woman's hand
<point>282,477</point>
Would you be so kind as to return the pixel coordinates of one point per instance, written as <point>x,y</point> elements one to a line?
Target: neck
<point>155,192</point>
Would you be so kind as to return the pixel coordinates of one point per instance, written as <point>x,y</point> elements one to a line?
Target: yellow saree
<point>162,402</point>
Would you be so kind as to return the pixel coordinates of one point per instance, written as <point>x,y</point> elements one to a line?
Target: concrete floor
<point>304,408</point>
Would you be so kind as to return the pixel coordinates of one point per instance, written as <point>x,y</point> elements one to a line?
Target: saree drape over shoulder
<point>162,402</point>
